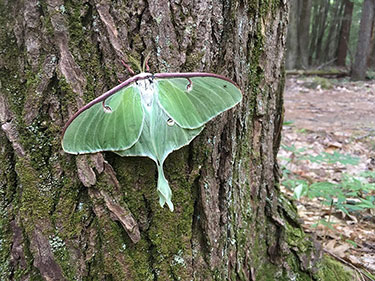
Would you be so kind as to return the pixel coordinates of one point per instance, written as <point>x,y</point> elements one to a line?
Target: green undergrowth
<point>353,193</point>
<point>332,270</point>
<point>318,82</point>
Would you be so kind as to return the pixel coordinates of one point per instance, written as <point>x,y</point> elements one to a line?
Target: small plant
<point>351,194</point>
<point>333,158</point>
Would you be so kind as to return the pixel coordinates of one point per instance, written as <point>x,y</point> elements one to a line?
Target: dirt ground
<point>337,117</point>
<point>342,107</point>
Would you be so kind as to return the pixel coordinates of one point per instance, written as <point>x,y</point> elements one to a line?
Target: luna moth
<point>150,115</point>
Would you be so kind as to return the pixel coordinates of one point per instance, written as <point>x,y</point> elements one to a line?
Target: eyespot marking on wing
<point>170,122</point>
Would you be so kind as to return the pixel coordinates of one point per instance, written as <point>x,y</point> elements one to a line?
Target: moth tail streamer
<point>164,191</point>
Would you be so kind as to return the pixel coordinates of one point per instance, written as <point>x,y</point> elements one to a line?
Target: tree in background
<point>359,67</point>
<point>343,44</point>
<point>333,31</point>
<point>320,18</point>
<point>329,31</point>
<point>292,39</point>
<point>314,27</point>
<point>371,57</point>
<point>298,34</point>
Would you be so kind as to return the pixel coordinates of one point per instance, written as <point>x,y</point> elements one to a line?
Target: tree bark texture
<point>359,67</point>
<point>97,217</point>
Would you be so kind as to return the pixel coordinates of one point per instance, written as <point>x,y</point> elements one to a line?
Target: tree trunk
<point>292,38</point>
<point>322,16</point>
<point>343,43</point>
<point>97,217</point>
<point>363,46</point>
<point>330,42</point>
<point>298,35</point>
<point>371,56</point>
<point>316,12</point>
<point>303,34</point>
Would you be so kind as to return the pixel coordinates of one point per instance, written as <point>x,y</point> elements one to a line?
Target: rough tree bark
<point>97,217</point>
<point>359,67</point>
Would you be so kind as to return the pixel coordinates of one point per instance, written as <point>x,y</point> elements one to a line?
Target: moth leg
<point>189,86</point>
<point>131,71</point>
<point>106,107</point>
<point>145,63</point>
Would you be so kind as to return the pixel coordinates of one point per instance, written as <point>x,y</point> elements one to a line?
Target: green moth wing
<point>113,124</point>
<point>160,136</point>
<point>150,115</point>
<point>192,102</point>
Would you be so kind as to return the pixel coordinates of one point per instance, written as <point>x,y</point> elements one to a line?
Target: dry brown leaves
<point>339,119</point>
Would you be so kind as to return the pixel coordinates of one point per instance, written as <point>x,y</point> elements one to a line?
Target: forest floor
<point>327,157</point>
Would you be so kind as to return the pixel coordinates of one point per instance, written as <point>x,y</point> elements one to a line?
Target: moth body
<point>147,89</point>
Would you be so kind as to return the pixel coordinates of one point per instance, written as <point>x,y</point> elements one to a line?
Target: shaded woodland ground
<point>328,152</point>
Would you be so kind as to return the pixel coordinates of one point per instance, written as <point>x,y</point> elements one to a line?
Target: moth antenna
<point>145,63</point>
<point>189,86</point>
<point>147,67</point>
<point>135,62</point>
<point>128,67</point>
